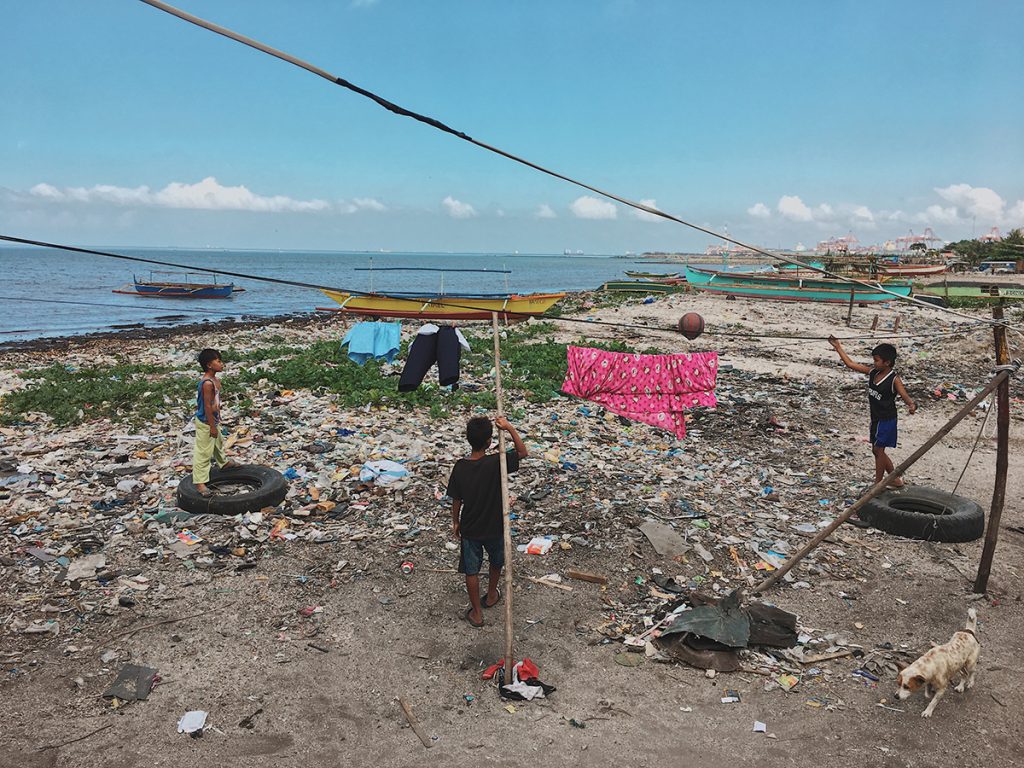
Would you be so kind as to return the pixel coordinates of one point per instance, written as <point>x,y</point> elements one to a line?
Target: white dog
<point>937,668</point>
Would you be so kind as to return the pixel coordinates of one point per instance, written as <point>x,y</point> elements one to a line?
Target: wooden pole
<point>879,487</point>
<point>849,314</point>
<point>1002,456</point>
<point>506,522</point>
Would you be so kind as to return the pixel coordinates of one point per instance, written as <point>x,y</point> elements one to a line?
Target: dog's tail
<point>972,620</point>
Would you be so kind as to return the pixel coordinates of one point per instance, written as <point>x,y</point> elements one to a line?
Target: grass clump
<point>124,392</point>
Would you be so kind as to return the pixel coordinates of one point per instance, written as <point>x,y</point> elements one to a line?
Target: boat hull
<point>779,288</point>
<point>911,270</point>
<point>509,308</point>
<point>653,275</point>
<point>968,290</point>
<point>644,286</point>
<point>181,291</point>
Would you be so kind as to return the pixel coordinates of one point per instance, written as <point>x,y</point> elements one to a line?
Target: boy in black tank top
<point>883,386</point>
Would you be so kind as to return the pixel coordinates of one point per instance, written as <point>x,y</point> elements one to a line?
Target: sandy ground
<point>388,636</point>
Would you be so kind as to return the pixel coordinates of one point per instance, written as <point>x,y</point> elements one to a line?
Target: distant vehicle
<point>998,267</point>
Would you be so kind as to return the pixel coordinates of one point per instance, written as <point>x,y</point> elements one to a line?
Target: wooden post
<point>849,314</point>
<point>879,487</point>
<point>506,522</point>
<point>1002,456</point>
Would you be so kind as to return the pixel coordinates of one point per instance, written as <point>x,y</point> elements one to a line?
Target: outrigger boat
<point>644,286</point>
<point>186,289</point>
<point>659,276</point>
<point>422,305</point>
<point>793,288</point>
<point>965,289</point>
<point>884,271</point>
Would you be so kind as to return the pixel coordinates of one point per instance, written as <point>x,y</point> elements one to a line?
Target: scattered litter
<point>193,722</point>
<point>133,683</point>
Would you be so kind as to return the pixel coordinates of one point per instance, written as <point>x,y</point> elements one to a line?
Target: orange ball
<point>691,325</point>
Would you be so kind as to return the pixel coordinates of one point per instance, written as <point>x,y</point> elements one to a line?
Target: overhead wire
<point>437,124</point>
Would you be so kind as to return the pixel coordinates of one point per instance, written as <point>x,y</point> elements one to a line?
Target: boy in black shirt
<point>475,489</point>
<point>883,386</point>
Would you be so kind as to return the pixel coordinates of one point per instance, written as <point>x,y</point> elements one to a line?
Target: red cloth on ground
<point>654,389</point>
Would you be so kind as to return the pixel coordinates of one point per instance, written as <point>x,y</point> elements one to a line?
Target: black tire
<point>268,489</point>
<point>925,513</point>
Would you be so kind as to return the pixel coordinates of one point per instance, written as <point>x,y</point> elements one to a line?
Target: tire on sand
<point>264,487</point>
<point>923,513</point>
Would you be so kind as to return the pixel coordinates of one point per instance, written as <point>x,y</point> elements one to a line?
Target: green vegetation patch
<point>532,366</point>
<point>124,392</point>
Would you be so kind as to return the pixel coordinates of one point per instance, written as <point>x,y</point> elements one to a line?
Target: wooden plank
<point>414,723</point>
<point>593,578</point>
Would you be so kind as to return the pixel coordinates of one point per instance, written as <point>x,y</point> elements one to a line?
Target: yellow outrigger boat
<point>440,305</point>
<point>510,307</point>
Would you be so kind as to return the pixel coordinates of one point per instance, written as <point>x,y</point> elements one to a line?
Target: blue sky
<point>779,122</point>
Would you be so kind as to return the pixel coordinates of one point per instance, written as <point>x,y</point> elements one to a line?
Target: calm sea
<point>32,274</point>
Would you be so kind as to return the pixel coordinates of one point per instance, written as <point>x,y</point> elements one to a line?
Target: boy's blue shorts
<point>883,433</point>
<point>472,557</point>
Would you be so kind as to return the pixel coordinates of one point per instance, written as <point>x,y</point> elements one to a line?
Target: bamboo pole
<point>879,487</point>
<point>1002,456</point>
<point>506,522</point>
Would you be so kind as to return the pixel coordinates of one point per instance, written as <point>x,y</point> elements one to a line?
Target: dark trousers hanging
<point>441,348</point>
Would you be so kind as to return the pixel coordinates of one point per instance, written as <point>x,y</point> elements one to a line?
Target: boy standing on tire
<point>883,386</point>
<point>209,442</point>
<point>475,489</point>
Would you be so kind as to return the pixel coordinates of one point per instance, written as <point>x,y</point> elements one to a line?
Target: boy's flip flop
<point>467,617</point>
<point>485,604</point>
<point>205,494</point>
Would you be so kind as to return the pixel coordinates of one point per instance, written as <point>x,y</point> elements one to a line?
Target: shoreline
<point>156,333</point>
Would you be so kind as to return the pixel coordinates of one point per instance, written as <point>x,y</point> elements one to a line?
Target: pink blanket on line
<point>654,389</point>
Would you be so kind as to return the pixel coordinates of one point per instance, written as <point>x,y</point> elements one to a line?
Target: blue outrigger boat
<point>186,289</point>
<point>781,287</point>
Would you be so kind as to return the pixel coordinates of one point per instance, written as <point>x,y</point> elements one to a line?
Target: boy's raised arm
<point>521,450</point>
<point>837,345</point>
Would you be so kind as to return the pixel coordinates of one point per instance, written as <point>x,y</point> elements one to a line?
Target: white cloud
<point>1015,216</point>
<point>759,211</point>
<point>792,207</point>
<point>207,194</point>
<point>360,204</point>
<point>592,208</point>
<point>46,191</point>
<point>545,211</point>
<point>981,202</point>
<point>863,213</point>
<point>936,214</point>
<point>368,204</point>
<point>457,209</point>
<point>644,215</point>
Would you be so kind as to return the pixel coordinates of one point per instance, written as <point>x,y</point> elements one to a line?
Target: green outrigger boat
<point>643,286</point>
<point>779,287</point>
<point>653,275</point>
<point>964,289</point>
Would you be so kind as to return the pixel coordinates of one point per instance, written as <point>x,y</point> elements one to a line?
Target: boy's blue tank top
<point>200,403</point>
